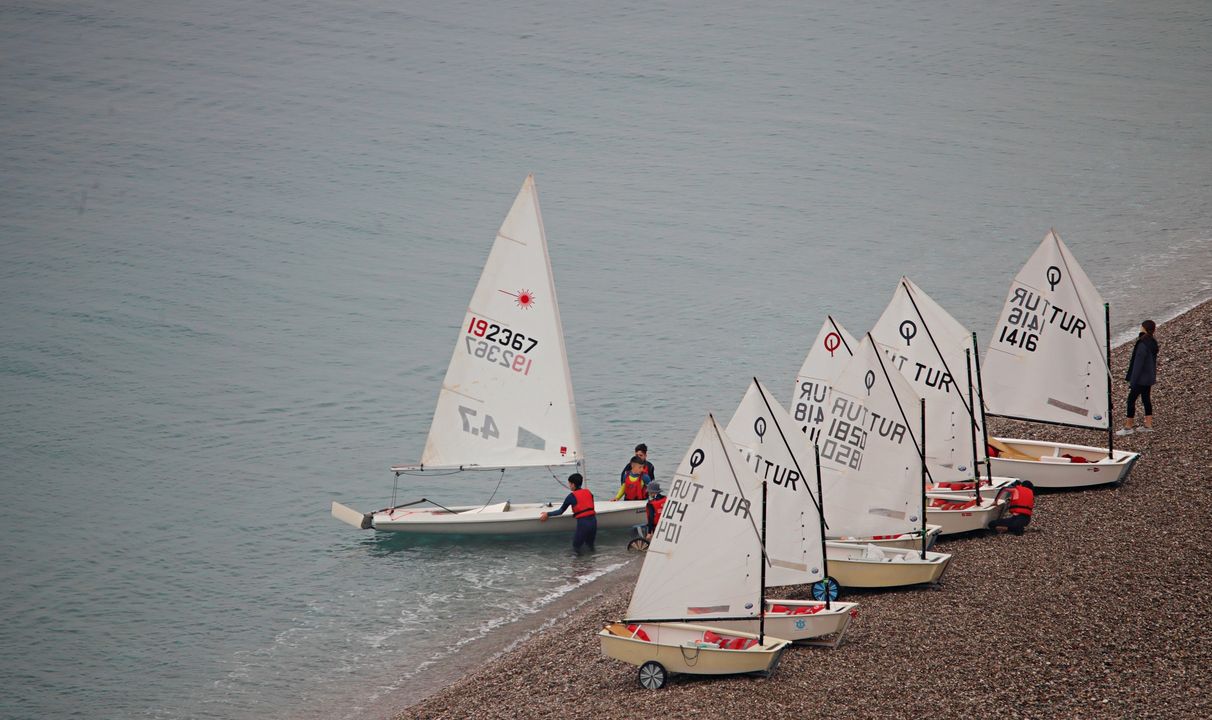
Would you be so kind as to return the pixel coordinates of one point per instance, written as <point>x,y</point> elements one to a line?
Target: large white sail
<point>1047,358</point>
<point>927,346</point>
<point>705,557</point>
<point>774,449</point>
<point>829,354</point>
<point>869,454</point>
<point>507,397</point>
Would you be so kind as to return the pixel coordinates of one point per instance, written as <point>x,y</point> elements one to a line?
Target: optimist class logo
<point>523,298</point>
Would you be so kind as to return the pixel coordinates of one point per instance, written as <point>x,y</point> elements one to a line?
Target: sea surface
<point>237,241</point>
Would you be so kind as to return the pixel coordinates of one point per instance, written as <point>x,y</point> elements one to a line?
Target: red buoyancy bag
<point>1075,458</point>
<point>808,609</point>
<point>780,609</point>
<point>712,638</point>
<point>638,632</point>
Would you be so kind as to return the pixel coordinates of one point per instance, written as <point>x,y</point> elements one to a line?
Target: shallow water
<point>237,241</point>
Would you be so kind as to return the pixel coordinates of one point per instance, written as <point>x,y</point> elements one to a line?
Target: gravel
<point>1101,610</point>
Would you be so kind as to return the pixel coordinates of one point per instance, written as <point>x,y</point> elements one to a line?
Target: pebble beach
<point>1102,609</point>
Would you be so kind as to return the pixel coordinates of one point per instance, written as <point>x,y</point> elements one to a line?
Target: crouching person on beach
<point>1022,503</point>
<point>581,502</point>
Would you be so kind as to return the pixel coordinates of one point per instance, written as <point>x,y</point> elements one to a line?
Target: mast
<point>980,395</point>
<point>976,463</point>
<point>762,586</point>
<point>922,452</point>
<point>821,515</point>
<point>1110,408</point>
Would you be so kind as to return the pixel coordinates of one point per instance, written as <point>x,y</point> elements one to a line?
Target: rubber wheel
<point>652,675</point>
<point>638,545</point>
<point>821,587</point>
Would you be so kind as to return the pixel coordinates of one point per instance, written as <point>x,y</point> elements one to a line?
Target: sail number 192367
<point>500,345</point>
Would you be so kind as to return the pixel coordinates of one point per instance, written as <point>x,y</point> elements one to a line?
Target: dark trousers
<point>1142,392</point>
<point>1013,523</point>
<point>586,532</point>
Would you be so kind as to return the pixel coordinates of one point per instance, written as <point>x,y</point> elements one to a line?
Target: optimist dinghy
<point>506,401</point>
<point>826,359</point>
<point>934,353</point>
<point>1047,363</point>
<point>706,563</point>
<point>874,475</point>
<point>768,444</point>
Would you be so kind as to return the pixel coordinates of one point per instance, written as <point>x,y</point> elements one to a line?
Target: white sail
<point>829,354</point>
<point>927,345</point>
<point>705,557</point>
<point>773,448</point>
<point>507,397</point>
<point>869,455</point>
<point>1047,357</point>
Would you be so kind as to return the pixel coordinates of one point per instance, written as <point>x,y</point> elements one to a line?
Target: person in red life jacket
<point>1022,503</point>
<point>581,502</point>
<point>641,452</point>
<point>635,482</point>
<point>656,504</point>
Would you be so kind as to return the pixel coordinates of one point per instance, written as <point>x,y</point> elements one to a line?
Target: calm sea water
<point>237,239</point>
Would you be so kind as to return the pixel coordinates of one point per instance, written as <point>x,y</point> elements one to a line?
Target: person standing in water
<point>581,502</point>
<point>1141,376</point>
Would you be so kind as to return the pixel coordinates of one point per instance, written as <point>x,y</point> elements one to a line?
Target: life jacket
<point>583,507</point>
<point>658,504</point>
<point>634,488</point>
<point>1022,500</point>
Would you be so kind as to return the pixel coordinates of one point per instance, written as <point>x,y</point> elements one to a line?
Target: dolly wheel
<point>821,587</point>
<point>652,675</point>
<point>638,545</point>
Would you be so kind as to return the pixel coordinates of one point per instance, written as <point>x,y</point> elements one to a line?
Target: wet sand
<point>1103,609</point>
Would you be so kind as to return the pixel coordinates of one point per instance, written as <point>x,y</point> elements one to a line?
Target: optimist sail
<point>829,354</point>
<point>705,557</point>
<point>1047,358</point>
<point>927,346</point>
<point>507,399</point>
<point>869,450</point>
<point>772,447</point>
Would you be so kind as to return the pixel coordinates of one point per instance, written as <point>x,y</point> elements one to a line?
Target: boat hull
<point>675,646</point>
<point>862,566</point>
<point>797,627</point>
<point>954,518</point>
<point>1051,470</point>
<point>907,541</point>
<point>504,519</point>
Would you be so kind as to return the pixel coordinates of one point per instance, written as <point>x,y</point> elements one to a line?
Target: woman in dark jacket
<point>1142,374</point>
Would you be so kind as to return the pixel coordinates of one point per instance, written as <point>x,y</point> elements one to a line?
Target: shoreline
<point>1102,609</point>
<point>470,658</point>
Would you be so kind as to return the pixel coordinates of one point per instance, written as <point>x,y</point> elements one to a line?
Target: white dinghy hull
<point>680,648</point>
<point>908,541</point>
<point>500,519</point>
<point>866,566</point>
<point>800,621</point>
<point>1045,466</point>
<point>958,513</point>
